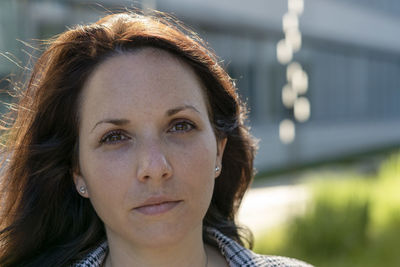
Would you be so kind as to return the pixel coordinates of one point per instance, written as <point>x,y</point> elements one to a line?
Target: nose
<point>153,162</point>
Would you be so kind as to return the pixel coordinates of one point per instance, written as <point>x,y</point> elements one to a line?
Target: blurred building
<point>350,50</point>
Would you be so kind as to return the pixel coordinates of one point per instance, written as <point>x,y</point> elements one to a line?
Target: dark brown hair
<point>44,221</point>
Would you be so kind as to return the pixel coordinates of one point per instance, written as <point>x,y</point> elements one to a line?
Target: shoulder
<point>236,255</point>
<point>94,258</point>
<point>246,257</point>
<point>275,261</point>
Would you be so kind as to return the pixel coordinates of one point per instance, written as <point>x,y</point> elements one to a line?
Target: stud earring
<point>82,189</point>
<point>217,168</point>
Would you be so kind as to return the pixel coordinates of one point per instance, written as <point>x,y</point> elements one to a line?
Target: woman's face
<point>147,150</point>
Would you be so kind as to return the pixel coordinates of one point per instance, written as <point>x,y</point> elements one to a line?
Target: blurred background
<point>328,178</point>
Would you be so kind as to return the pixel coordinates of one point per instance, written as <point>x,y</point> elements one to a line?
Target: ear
<point>221,147</point>
<point>80,184</point>
<point>221,143</point>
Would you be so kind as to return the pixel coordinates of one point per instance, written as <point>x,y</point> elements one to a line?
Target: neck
<point>187,252</point>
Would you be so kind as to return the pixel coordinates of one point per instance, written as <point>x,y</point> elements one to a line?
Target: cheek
<point>197,170</point>
<point>197,157</point>
<point>107,187</point>
<point>106,176</point>
<point>105,163</point>
<point>104,167</point>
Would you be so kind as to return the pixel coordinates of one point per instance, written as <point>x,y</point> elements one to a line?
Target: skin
<point>145,133</point>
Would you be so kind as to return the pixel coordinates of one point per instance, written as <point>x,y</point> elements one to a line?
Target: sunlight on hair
<point>302,109</point>
<point>287,131</point>
<point>288,96</point>
<point>296,6</point>
<point>284,52</point>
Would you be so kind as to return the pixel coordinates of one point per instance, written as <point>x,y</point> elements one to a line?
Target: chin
<point>164,236</point>
<point>158,234</point>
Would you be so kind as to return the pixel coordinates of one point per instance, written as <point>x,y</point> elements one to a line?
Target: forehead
<point>142,79</point>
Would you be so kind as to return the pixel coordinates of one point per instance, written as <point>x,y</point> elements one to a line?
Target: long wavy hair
<point>44,221</point>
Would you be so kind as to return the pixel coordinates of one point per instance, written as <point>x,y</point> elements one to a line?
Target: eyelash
<point>108,136</point>
<point>191,126</point>
<point>122,136</point>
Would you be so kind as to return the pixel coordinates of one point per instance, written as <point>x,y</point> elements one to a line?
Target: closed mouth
<point>157,207</point>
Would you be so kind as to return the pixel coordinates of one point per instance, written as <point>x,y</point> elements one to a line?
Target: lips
<point>157,205</point>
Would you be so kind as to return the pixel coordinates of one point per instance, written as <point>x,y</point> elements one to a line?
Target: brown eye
<point>114,137</point>
<point>182,126</point>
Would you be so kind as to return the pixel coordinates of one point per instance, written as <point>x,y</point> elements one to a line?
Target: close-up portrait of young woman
<point>127,147</point>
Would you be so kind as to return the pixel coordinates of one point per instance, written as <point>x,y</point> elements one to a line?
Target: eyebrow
<point>117,122</point>
<point>173,111</point>
<point>169,113</point>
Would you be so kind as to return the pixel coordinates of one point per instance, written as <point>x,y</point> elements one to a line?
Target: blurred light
<point>291,68</point>
<point>284,52</point>
<point>302,109</point>
<point>290,21</point>
<point>299,81</point>
<point>148,6</point>
<point>293,37</point>
<point>296,77</point>
<point>296,6</point>
<point>288,96</point>
<point>287,131</point>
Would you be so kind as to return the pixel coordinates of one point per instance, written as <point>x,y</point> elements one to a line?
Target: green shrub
<point>330,231</point>
<point>352,220</point>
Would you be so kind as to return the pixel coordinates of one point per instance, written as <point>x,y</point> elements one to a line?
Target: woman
<point>128,149</point>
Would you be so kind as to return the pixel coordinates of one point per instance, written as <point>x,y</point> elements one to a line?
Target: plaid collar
<point>235,255</point>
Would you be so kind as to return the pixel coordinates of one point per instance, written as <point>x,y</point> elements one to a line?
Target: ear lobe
<point>220,152</point>
<point>80,185</point>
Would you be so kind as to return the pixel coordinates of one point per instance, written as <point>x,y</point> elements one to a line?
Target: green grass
<point>352,220</point>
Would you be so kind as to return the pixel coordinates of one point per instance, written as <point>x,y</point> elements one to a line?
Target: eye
<point>114,137</point>
<point>182,126</point>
